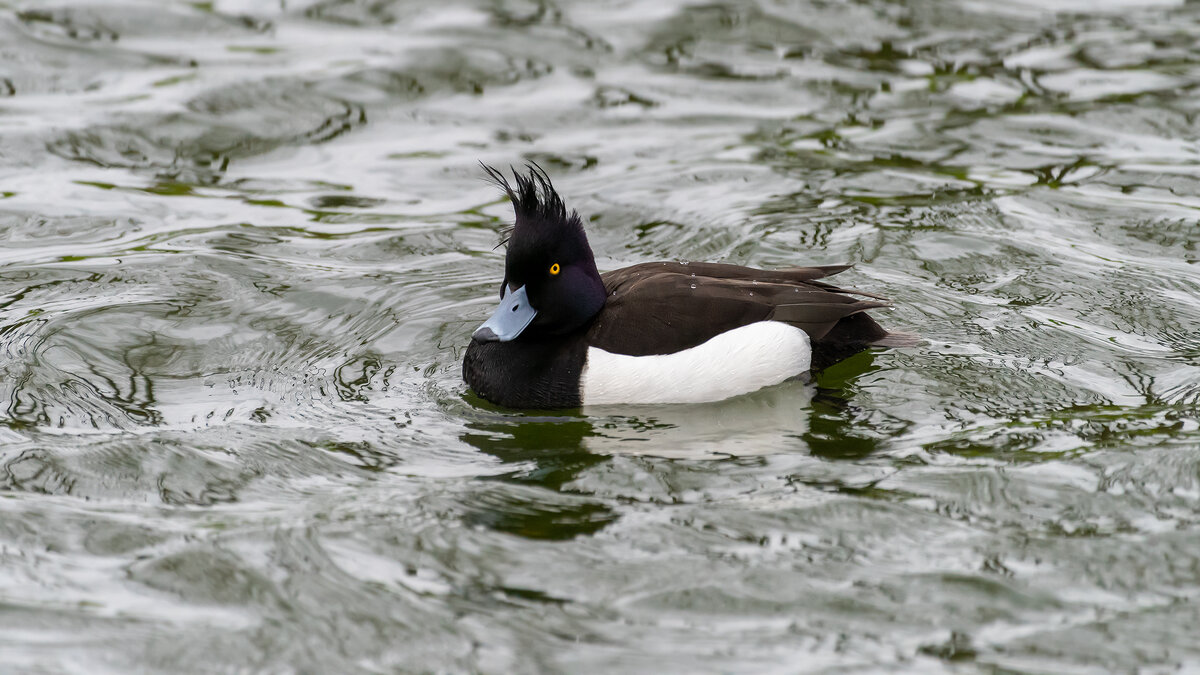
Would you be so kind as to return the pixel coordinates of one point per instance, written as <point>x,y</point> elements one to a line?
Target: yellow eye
<point>555,269</point>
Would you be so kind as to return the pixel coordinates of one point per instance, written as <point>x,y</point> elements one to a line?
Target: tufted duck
<point>566,335</point>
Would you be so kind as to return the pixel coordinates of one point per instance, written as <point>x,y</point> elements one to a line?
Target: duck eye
<point>555,269</point>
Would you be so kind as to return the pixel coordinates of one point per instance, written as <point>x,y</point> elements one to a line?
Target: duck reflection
<point>546,452</point>
<point>769,421</point>
<point>539,498</point>
<point>839,429</point>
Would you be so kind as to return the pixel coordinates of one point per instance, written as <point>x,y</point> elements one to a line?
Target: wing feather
<point>661,308</point>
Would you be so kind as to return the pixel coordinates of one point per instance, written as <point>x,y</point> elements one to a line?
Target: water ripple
<point>243,245</point>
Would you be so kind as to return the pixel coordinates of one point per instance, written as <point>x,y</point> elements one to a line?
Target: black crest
<point>534,200</point>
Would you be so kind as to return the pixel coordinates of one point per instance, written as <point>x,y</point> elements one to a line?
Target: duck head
<point>551,285</point>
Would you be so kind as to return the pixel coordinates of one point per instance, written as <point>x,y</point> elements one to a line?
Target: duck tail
<point>898,339</point>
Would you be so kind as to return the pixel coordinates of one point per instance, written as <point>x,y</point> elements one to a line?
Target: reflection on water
<point>245,243</point>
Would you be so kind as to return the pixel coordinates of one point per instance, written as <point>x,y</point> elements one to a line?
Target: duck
<point>566,335</point>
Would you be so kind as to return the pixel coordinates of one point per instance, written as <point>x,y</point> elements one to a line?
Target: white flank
<point>735,362</point>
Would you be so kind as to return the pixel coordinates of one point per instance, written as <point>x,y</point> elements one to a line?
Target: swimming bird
<point>566,335</point>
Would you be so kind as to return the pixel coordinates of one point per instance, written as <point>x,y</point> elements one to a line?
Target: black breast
<point>527,373</point>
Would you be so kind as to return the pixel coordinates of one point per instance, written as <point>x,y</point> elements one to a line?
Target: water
<point>245,244</point>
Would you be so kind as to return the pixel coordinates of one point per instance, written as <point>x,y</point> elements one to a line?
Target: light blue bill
<point>510,318</point>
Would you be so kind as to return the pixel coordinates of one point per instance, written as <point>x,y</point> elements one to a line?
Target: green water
<point>243,245</point>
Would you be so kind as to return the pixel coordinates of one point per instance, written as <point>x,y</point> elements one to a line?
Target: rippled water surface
<point>243,244</point>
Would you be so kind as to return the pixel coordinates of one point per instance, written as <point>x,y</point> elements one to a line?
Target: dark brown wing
<point>661,308</point>
<point>724,271</point>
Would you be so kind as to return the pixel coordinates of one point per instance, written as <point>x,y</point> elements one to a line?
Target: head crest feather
<point>534,200</point>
